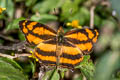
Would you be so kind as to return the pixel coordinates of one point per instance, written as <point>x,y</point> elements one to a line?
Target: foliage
<point>102,64</point>
<point>10,70</point>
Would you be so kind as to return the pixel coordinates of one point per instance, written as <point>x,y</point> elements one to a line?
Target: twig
<point>41,73</point>
<point>92,16</point>
<point>5,55</point>
<point>18,47</point>
<point>8,38</point>
<point>93,6</point>
<point>16,55</point>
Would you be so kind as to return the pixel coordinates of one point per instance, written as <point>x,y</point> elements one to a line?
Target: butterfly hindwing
<point>46,52</point>
<point>36,32</point>
<point>70,56</point>
<point>83,38</point>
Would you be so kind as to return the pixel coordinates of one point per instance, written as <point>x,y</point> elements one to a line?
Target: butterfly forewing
<point>83,38</point>
<point>36,32</point>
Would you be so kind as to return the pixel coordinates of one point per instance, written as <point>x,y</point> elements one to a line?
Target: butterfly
<point>56,48</point>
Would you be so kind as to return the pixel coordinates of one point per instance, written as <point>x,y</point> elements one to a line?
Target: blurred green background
<point>102,64</point>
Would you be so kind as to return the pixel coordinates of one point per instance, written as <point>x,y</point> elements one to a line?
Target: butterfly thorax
<point>60,41</point>
<point>60,38</point>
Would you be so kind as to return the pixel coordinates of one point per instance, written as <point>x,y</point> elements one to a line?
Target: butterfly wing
<point>46,53</point>
<point>83,38</point>
<point>36,32</point>
<point>71,55</point>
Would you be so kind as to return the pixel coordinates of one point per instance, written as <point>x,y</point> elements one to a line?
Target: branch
<point>8,38</point>
<point>92,16</point>
<point>41,73</point>
<point>16,55</point>
<point>93,6</point>
<point>18,47</point>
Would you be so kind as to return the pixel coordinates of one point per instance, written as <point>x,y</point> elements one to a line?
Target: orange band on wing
<point>31,25</point>
<point>71,50</point>
<point>25,30</point>
<point>33,39</point>
<point>46,58</point>
<point>79,36</point>
<point>90,34</point>
<point>95,39</point>
<point>69,61</point>
<point>42,31</point>
<point>47,47</point>
<point>86,46</point>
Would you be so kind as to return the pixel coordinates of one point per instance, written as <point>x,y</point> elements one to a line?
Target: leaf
<point>68,9</point>
<point>46,5</point>
<point>30,2</point>
<point>51,75</point>
<point>21,36</point>
<point>14,24</point>
<point>3,3</point>
<point>62,72</point>
<point>107,65</point>
<point>87,67</point>
<point>10,8</point>
<point>82,15</point>
<point>97,20</point>
<point>55,75</point>
<point>43,18</point>
<point>79,77</point>
<point>115,43</point>
<point>9,72</point>
<point>33,67</point>
<point>12,62</point>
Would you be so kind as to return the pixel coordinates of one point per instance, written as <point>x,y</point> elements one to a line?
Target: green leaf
<point>68,9</point>
<point>87,67</point>
<point>115,43</point>
<point>107,65</point>
<point>51,75</point>
<point>21,36</point>
<point>3,3</point>
<point>33,67</point>
<point>12,62</point>
<point>43,18</point>
<point>62,72</point>
<point>55,75</point>
<point>82,15</point>
<point>30,2</point>
<point>97,20</point>
<point>46,6</point>
<point>79,77</point>
<point>10,8</point>
<point>14,24</point>
<point>9,72</point>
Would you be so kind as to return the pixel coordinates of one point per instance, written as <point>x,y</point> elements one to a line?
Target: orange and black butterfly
<point>56,47</point>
